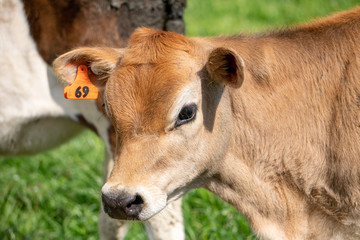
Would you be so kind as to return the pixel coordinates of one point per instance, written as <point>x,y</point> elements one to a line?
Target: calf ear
<point>225,65</point>
<point>100,61</point>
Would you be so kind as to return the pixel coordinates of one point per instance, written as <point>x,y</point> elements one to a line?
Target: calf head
<point>167,97</point>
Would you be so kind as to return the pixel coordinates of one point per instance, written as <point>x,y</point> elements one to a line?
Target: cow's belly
<point>37,135</point>
<point>34,116</point>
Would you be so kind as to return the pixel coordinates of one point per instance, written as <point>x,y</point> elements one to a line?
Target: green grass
<point>55,195</point>
<point>224,17</point>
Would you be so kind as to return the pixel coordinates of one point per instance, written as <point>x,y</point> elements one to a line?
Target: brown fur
<point>59,26</point>
<point>147,46</point>
<point>74,23</point>
<point>283,148</point>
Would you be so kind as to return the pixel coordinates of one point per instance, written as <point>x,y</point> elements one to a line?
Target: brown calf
<point>270,123</point>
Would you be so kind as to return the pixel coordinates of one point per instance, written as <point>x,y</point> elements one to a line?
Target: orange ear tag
<point>82,87</point>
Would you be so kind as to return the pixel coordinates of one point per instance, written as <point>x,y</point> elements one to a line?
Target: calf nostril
<point>134,206</point>
<point>138,201</point>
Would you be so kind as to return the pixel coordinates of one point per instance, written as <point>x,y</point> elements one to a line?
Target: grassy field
<point>55,195</point>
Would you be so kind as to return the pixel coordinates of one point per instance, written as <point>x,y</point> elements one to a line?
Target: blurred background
<point>55,195</point>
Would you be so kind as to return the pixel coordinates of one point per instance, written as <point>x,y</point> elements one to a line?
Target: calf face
<point>168,101</point>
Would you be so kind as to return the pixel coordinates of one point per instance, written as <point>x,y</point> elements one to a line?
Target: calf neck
<point>270,123</point>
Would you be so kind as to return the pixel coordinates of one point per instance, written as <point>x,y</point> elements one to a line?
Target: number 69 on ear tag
<point>82,87</point>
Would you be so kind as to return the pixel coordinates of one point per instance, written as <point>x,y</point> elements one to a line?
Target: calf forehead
<point>139,97</point>
<point>152,71</point>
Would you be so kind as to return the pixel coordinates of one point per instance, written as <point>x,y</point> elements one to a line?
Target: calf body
<point>270,123</point>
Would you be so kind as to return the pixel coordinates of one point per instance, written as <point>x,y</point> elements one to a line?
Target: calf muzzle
<point>122,206</point>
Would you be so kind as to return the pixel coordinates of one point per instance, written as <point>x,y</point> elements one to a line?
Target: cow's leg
<point>168,224</point>
<point>111,229</point>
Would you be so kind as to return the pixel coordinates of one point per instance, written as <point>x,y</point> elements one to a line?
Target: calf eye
<point>186,114</point>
